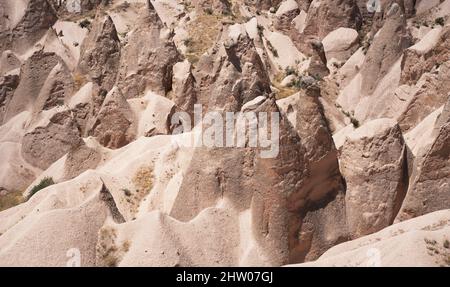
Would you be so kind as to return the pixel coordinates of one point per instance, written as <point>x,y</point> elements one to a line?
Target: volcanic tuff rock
<point>114,125</point>
<point>232,73</point>
<point>24,28</point>
<point>45,144</point>
<point>429,190</point>
<point>100,53</point>
<point>148,57</point>
<point>94,159</point>
<point>373,163</point>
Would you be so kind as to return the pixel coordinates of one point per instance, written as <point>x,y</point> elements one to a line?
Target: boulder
<point>285,14</point>
<point>333,14</point>
<point>341,44</point>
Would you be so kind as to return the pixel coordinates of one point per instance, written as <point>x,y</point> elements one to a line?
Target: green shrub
<point>272,49</point>
<point>290,71</point>
<point>447,244</point>
<point>440,21</point>
<point>45,182</point>
<point>85,24</point>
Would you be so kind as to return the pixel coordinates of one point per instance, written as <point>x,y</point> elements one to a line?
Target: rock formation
<point>224,133</point>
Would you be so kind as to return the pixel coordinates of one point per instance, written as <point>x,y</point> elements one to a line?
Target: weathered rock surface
<point>100,53</point>
<point>322,191</point>
<point>386,48</point>
<point>373,163</point>
<point>148,58</point>
<point>349,166</point>
<point>34,76</point>
<point>232,73</point>
<point>114,125</point>
<point>8,85</point>
<point>26,25</point>
<point>410,243</point>
<point>429,190</point>
<point>333,14</point>
<point>341,44</point>
<point>45,144</point>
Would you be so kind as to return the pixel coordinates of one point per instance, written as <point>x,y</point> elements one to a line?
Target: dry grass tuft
<point>10,199</point>
<point>203,33</point>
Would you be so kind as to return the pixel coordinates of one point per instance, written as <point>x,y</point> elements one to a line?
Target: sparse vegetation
<point>283,92</point>
<point>440,21</point>
<point>44,183</point>
<point>290,71</point>
<point>260,30</point>
<point>143,179</point>
<point>10,199</point>
<point>106,248</point>
<point>446,244</point>
<point>209,11</point>
<point>203,32</point>
<point>86,23</point>
<point>356,124</point>
<point>272,49</point>
<point>79,80</point>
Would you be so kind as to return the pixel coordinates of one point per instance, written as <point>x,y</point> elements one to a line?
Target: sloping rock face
<point>8,84</point>
<point>148,57</point>
<point>100,53</point>
<point>222,6</point>
<point>262,4</point>
<point>141,116</point>
<point>114,125</point>
<point>232,73</point>
<point>45,144</point>
<point>323,185</point>
<point>76,6</point>
<point>429,93</point>
<point>184,86</point>
<point>42,73</point>
<point>20,34</point>
<point>342,13</point>
<point>241,187</point>
<point>387,47</point>
<point>373,162</point>
<point>418,61</point>
<point>8,62</point>
<point>409,243</point>
<point>80,159</point>
<point>430,186</point>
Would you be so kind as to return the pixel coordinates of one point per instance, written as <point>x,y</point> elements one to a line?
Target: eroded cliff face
<point>94,155</point>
